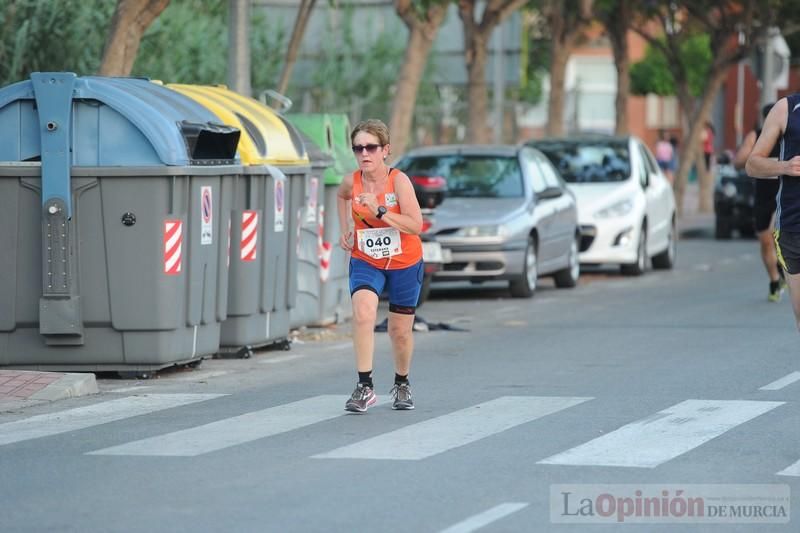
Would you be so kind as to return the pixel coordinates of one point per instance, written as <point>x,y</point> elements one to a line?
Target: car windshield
<point>589,161</point>
<point>470,176</point>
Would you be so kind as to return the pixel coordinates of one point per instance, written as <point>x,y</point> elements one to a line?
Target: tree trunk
<point>477,99</point>
<point>690,151</point>
<point>555,105</point>
<point>706,178</point>
<point>131,19</point>
<point>239,74</point>
<point>303,14</point>
<point>618,26</point>
<point>566,25</point>
<point>420,41</point>
<point>623,94</point>
<point>476,40</point>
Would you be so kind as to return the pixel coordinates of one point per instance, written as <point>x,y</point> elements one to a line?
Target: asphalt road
<point>681,384</point>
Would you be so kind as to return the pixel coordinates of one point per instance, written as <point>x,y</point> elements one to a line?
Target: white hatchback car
<point>626,208</point>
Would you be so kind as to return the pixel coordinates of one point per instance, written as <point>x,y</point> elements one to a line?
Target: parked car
<point>626,207</point>
<point>507,215</point>
<point>734,199</point>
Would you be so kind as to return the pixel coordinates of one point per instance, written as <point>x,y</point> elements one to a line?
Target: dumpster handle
<point>53,93</point>
<point>59,307</point>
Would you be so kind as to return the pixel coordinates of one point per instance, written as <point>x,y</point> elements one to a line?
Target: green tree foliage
<point>188,43</point>
<point>652,74</point>
<point>356,77</point>
<point>536,56</point>
<point>51,35</point>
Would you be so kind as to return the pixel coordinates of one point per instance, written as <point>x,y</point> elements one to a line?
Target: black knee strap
<point>402,309</point>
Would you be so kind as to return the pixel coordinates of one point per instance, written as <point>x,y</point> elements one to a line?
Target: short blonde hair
<point>373,126</point>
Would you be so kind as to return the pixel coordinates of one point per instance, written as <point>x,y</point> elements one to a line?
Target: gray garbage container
<point>331,133</point>
<point>265,220</point>
<point>311,249</point>
<point>115,197</point>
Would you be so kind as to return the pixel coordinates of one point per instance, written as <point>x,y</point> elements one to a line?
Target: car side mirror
<point>549,193</point>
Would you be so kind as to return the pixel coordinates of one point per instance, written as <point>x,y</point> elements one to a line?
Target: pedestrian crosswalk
<point>665,435</point>
<point>443,433</point>
<point>645,443</point>
<point>235,430</point>
<point>94,415</point>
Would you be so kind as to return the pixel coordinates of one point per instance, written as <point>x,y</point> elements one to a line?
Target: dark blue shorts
<point>404,284</point>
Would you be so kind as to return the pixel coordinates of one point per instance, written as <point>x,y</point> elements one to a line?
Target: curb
<point>67,385</point>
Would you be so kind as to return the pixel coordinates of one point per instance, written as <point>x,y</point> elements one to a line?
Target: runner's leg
<point>365,312</point>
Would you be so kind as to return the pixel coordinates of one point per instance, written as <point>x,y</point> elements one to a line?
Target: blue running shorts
<point>404,284</point>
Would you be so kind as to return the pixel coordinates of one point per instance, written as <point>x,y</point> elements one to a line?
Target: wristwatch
<point>381,211</point>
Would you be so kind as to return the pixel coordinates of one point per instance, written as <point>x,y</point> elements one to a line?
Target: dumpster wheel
<point>245,352</point>
<point>135,374</point>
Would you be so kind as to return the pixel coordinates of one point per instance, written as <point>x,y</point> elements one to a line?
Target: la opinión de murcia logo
<point>658,504</point>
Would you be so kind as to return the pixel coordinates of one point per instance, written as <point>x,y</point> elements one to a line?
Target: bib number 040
<point>379,243</point>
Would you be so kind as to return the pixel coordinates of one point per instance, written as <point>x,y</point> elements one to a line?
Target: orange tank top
<point>364,219</point>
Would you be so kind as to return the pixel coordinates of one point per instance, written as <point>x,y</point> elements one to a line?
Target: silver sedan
<point>507,215</point>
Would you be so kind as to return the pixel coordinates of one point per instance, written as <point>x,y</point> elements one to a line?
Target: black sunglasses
<point>371,148</point>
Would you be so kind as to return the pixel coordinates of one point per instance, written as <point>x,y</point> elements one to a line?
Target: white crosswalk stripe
<point>791,470</point>
<point>785,381</point>
<point>94,415</point>
<point>485,518</point>
<point>235,430</point>
<point>656,439</point>
<point>459,428</point>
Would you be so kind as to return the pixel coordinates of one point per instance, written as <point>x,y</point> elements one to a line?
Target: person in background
<point>782,128</point>
<point>765,203</point>
<point>665,154</point>
<point>708,144</point>
<point>673,140</point>
<point>386,251</point>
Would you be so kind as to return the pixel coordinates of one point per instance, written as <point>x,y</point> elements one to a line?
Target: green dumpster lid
<point>330,132</point>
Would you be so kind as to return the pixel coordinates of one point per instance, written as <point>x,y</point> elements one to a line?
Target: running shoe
<point>401,392</point>
<point>775,290</point>
<point>363,398</point>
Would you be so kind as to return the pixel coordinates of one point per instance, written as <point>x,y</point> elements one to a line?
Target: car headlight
<point>729,190</point>
<point>495,230</point>
<point>619,209</point>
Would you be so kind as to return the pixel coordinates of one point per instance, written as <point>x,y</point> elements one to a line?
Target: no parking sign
<point>280,201</point>
<point>206,211</point>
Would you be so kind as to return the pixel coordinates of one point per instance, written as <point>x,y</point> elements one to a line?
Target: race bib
<point>379,243</point>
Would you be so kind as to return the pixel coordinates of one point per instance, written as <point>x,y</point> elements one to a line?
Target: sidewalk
<point>692,223</point>
<point>21,388</point>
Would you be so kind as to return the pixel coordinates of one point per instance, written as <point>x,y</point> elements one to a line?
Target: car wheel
<point>637,268</point>
<point>722,229</point>
<point>568,277</point>
<point>524,285</point>
<point>666,259</point>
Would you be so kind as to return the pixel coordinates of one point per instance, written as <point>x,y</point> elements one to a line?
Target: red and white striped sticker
<point>249,235</point>
<point>325,261</point>
<point>173,240</point>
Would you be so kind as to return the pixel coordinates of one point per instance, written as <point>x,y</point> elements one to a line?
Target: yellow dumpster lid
<point>267,138</point>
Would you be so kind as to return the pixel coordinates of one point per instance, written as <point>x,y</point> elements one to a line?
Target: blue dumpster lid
<point>119,122</point>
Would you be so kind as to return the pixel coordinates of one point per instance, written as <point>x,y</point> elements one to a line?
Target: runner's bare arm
<point>409,220</point>
<point>759,164</point>
<point>744,150</point>
<point>343,197</point>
